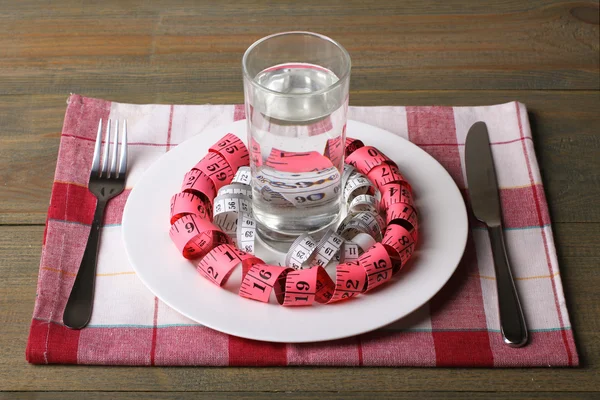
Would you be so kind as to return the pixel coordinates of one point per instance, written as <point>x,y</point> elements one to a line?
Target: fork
<point>105,183</point>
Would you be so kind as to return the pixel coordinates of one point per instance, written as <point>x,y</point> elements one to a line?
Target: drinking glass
<point>296,99</point>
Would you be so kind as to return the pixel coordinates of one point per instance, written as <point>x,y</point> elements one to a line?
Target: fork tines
<point>113,172</point>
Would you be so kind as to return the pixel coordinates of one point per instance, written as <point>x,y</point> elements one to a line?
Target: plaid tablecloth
<point>458,327</point>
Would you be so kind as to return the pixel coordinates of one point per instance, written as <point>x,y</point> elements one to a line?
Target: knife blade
<point>485,203</point>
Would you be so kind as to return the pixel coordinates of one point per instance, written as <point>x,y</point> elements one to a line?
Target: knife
<point>485,202</point>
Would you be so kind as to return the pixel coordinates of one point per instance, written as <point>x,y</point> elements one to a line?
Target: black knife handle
<point>512,321</point>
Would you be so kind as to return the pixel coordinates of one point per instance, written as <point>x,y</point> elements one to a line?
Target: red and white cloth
<point>458,327</point>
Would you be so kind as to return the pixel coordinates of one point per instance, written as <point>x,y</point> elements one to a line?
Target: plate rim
<point>322,338</point>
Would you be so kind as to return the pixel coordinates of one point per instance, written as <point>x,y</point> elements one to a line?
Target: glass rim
<point>339,82</point>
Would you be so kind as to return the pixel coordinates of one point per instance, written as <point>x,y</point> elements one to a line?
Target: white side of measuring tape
<point>232,211</point>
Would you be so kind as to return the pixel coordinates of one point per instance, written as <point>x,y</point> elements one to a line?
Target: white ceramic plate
<point>173,279</point>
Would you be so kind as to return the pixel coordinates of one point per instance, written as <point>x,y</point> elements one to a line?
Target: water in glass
<point>297,132</point>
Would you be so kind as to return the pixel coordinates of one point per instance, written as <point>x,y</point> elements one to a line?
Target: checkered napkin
<point>458,327</point>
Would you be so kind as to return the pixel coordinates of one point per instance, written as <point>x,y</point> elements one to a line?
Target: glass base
<point>281,242</point>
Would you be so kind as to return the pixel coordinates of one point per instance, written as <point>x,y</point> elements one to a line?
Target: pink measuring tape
<point>373,243</point>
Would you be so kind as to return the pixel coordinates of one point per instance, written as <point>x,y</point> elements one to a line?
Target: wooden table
<point>544,53</point>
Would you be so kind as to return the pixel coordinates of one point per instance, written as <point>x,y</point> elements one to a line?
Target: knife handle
<point>512,321</point>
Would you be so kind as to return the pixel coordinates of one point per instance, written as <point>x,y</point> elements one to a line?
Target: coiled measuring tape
<point>233,210</point>
<point>213,211</point>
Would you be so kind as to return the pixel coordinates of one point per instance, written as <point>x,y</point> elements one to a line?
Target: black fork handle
<point>78,310</point>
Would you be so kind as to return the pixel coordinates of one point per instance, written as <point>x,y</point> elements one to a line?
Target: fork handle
<point>79,306</point>
<point>512,321</point>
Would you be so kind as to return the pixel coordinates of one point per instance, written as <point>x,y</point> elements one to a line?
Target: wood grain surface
<point>544,53</point>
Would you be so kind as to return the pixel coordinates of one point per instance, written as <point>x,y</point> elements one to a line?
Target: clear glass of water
<point>296,98</point>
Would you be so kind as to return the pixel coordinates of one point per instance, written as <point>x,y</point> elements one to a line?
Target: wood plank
<point>564,124</point>
<point>287,394</point>
<point>19,260</point>
<point>198,47</point>
<point>28,9</point>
